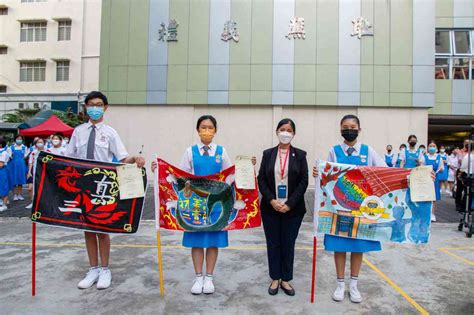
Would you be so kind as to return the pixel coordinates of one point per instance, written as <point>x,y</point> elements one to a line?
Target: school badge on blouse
<point>218,158</point>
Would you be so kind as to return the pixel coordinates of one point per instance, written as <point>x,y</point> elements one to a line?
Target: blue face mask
<point>19,141</point>
<point>432,150</point>
<point>95,112</point>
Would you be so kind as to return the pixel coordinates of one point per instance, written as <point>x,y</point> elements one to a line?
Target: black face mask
<point>349,134</point>
<point>389,151</point>
<point>412,144</point>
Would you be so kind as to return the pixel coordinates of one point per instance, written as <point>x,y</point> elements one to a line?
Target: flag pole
<point>33,258</point>
<point>157,226</point>
<point>313,276</point>
<point>160,263</point>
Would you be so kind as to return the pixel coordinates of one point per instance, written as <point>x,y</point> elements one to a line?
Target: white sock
<point>354,281</point>
<point>340,282</point>
<point>198,275</point>
<point>209,275</point>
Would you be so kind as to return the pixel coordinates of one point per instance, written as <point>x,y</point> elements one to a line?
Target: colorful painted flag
<point>371,203</point>
<point>203,203</point>
<point>83,195</point>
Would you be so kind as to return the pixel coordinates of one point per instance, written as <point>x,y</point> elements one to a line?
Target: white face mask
<point>56,142</point>
<point>285,137</point>
<point>40,146</point>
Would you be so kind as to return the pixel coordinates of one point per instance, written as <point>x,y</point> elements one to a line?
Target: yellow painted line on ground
<point>140,246</point>
<point>457,248</point>
<point>396,287</point>
<point>460,258</point>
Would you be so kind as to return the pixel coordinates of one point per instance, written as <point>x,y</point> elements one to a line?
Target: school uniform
<point>454,163</point>
<point>57,151</point>
<point>281,229</point>
<point>31,161</point>
<point>202,160</point>
<point>17,166</point>
<point>4,177</point>
<point>389,159</point>
<point>445,173</point>
<point>363,155</point>
<point>435,161</point>
<point>411,157</point>
<point>397,159</point>
<point>107,143</point>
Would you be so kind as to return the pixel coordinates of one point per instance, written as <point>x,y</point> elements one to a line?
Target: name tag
<point>282,191</point>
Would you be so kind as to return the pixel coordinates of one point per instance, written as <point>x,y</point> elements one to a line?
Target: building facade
<point>49,52</point>
<point>252,62</point>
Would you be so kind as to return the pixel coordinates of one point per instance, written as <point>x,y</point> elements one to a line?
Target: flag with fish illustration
<point>83,195</point>
<point>371,203</point>
<point>203,203</point>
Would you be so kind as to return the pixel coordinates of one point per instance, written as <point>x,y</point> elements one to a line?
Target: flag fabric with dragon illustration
<point>203,203</point>
<point>84,195</point>
<point>371,203</point>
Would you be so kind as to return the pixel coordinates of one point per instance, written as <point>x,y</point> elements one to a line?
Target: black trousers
<point>460,201</point>
<point>281,232</point>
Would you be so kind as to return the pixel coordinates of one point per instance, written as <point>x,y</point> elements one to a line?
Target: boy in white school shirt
<point>97,141</point>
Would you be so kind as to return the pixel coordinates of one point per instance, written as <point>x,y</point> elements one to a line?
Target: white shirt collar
<point>98,126</point>
<point>345,146</point>
<point>201,145</point>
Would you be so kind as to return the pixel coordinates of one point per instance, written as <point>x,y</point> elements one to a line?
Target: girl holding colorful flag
<point>354,153</point>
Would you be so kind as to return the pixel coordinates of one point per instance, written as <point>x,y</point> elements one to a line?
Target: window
<point>32,71</point>
<point>64,30</point>
<point>3,89</point>
<point>33,32</point>
<point>3,50</point>
<point>3,11</point>
<point>36,105</point>
<point>21,105</point>
<point>28,1</point>
<point>454,54</point>
<point>62,70</point>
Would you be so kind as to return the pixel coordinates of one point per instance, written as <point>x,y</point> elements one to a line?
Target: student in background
<point>389,156</point>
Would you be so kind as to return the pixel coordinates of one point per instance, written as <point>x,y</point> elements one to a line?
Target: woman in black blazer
<point>282,180</point>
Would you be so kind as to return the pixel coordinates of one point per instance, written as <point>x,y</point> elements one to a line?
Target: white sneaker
<point>15,198</point>
<point>355,294</point>
<point>105,278</point>
<point>433,218</point>
<point>208,287</point>
<point>3,208</point>
<point>20,197</point>
<point>91,278</point>
<point>338,295</point>
<point>197,285</point>
<point>29,206</point>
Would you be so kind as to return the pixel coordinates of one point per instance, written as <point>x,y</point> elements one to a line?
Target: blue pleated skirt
<point>335,243</point>
<point>4,182</point>
<point>205,239</point>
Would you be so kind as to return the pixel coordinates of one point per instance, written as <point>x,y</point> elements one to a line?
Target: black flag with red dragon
<point>83,195</point>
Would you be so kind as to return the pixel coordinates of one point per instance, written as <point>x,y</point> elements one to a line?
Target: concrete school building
<point>49,53</point>
<point>396,64</point>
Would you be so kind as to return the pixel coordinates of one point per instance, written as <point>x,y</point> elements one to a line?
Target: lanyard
<point>282,167</point>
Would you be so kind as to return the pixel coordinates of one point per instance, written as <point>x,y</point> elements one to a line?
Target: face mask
<point>206,135</point>
<point>442,150</point>
<point>19,141</point>
<point>56,142</point>
<point>389,151</point>
<point>412,143</point>
<point>432,150</point>
<point>285,137</point>
<point>40,146</point>
<point>95,112</point>
<point>349,134</point>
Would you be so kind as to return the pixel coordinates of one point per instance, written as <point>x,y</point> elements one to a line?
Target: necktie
<point>91,144</point>
<point>350,150</point>
<point>206,149</point>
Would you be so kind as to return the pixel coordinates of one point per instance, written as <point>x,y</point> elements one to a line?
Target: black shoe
<point>290,292</point>
<point>272,291</point>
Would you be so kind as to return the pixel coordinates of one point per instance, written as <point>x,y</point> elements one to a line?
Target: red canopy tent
<point>51,126</point>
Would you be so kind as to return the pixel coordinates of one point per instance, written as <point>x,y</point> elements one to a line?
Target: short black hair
<point>403,145</point>
<point>3,143</point>
<point>96,94</point>
<point>389,145</point>
<point>59,135</point>
<point>19,136</point>
<point>412,136</point>
<point>423,146</point>
<point>350,116</point>
<point>206,117</point>
<point>286,121</point>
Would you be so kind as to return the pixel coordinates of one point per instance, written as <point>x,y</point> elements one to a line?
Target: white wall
<point>168,130</point>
